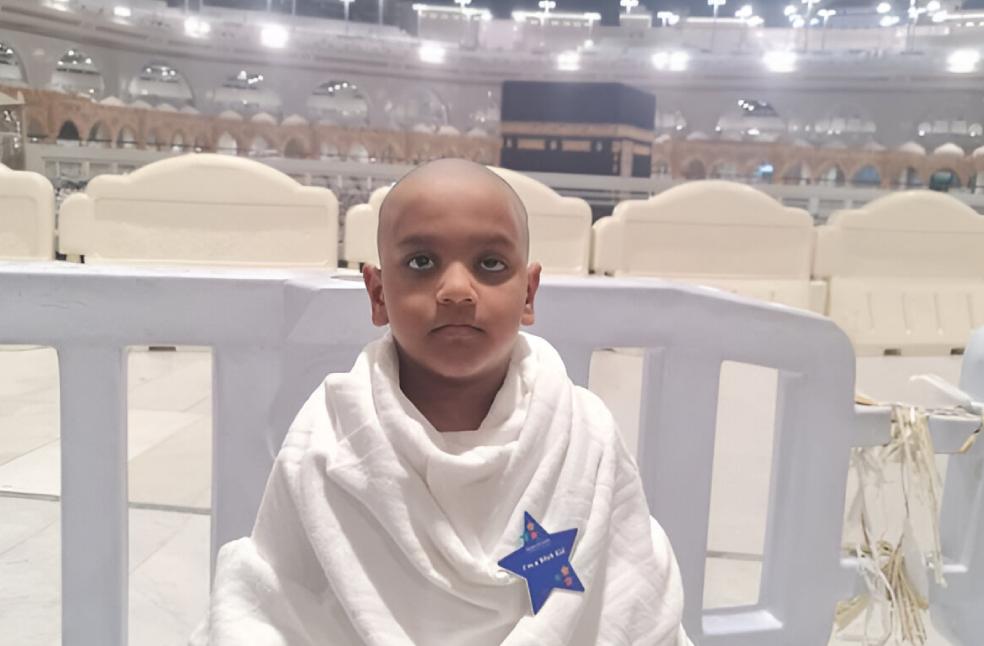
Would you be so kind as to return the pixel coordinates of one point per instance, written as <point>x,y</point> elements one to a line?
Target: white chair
<point>27,216</point>
<point>716,233</point>
<point>361,222</point>
<point>202,209</point>
<point>906,273</point>
<point>560,227</point>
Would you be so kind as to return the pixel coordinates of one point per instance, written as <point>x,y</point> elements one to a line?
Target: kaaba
<point>589,128</point>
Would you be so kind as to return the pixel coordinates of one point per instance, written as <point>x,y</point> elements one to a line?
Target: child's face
<point>455,285</point>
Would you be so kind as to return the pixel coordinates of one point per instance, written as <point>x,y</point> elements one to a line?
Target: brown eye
<point>493,265</point>
<point>420,262</point>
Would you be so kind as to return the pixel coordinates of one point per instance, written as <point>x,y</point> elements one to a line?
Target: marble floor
<point>169,471</point>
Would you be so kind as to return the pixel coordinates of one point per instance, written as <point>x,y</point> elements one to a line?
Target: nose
<point>456,286</point>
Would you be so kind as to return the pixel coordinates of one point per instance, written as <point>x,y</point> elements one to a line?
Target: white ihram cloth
<point>377,529</point>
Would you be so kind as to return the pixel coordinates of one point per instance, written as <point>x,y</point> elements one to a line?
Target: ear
<point>532,284</point>
<point>373,278</point>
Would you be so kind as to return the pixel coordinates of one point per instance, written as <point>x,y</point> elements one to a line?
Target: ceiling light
<point>780,61</point>
<point>790,9</point>
<point>196,27</point>
<point>933,5</point>
<point>122,12</point>
<point>883,7</point>
<point>755,21</point>
<point>939,16</point>
<point>274,36</point>
<point>745,12</point>
<point>798,22</point>
<point>675,61</point>
<point>889,21</point>
<point>588,44</point>
<point>432,53</point>
<point>963,61</point>
<point>569,61</point>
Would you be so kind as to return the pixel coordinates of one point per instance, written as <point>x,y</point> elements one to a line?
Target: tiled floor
<point>169,467</point>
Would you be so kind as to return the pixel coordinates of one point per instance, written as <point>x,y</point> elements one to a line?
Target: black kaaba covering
<point>592,128</point>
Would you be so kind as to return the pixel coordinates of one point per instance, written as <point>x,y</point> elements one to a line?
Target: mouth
<point>456,327</point>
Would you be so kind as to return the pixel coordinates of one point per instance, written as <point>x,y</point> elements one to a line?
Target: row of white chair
<point>899,276</point>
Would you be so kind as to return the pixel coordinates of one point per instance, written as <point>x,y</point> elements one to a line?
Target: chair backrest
<point>906,273</point>
<point>303,327</point>
<point>361,222</point>
<point>202,209</point>
<point>27,216</point>
<point>717,233</point>
<point>956,608</point>
<point>560,227</point>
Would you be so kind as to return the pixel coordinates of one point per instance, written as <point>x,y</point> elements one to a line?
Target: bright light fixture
<point>432,53</point>
<point>588,44</point>
<point>755,21</point>
<point>274,36</point>
<point>883,7</point>
<point>889,21</point>
<point>196,27</point>
<point>933,5</point>
<point>963,61</point>
<point>790,9</point>
<point>745,12</point>
<point>122,12</point>
<point>798,22</point>
<point>939,16</point>
<point>675,61</point>
<point>781,61</point>
<point>568,61</point>
<point>827,13</point>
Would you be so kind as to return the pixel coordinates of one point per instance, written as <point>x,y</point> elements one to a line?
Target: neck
<point>450,404</point>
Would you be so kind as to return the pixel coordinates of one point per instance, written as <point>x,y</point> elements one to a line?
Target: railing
<point>352,181</point>
<point>275,334</point>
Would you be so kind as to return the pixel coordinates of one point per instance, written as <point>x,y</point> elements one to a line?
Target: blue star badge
<point>544,561</point>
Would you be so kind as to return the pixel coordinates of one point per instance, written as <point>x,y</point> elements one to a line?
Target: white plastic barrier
<point>205,209</point>
<point>27,216</point>
<point>906,273</point>
<point>716,233</point>
<point>275,334</point>
<point>560,227</point>
<point>957,608</point>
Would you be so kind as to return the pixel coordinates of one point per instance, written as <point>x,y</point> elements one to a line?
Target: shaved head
<point>414,187</point>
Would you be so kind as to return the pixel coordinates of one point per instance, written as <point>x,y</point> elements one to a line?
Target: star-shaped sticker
<point>544,561</point>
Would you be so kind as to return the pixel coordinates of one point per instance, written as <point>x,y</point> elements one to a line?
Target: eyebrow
<point>427,240</point>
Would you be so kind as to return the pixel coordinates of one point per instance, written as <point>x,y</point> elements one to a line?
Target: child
<point>454,487</point>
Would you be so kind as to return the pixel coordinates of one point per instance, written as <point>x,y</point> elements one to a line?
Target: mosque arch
<point>68,133</point>
<point>831,175</point>
<point>260,147</point>
<point>226,144</point>
<point>909,178</point>
<point>127,138</point>
<point>295,149</point>
<point>867,175</point>
<point>36,130</point>
<point>159,82</point>
<point>11,67</point>
<point>77,73</point>
<point>944,179</point>
<point>694,169</point>
<point>796,174</point>
<point>100,136</point>
<point>339,103</point>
